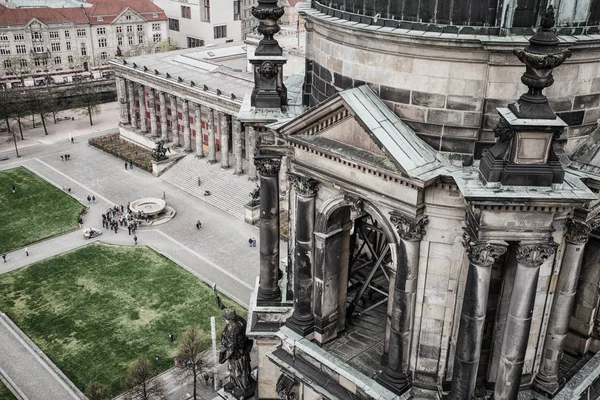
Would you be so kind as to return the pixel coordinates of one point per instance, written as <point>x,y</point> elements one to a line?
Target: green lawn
<point>94,310</point>
<point>36,211</point>
<point>6,394</point>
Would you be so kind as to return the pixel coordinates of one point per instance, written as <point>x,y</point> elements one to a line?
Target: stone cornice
<point>485,254</point>
<point>534,255</point>
<point>408,228</point>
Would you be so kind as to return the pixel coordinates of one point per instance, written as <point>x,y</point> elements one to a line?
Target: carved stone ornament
<point>409,228</point>
<point>267,166</point>
<point>485,254</point>
<point>355,203</point>
<point>577,232</point>
<point>284,387</point>
<point>304,186</point>
<point>594,223</point>
<point>534,255</point>
<point>268,70</point>
<point>503,132</point>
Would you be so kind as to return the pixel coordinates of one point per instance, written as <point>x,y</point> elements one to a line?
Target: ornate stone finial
<point>485,254</point>
<point>577,232</point>
<point>408,228</point>
<point>304,186</point>
<point>267,166</point>
<point>355,203</point>
<point>540,57</point>
<point>268,12</point>
<point>534,255</point>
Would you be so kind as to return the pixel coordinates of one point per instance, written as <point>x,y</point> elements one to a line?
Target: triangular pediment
<point>122,17</point>
<point>35,23</point>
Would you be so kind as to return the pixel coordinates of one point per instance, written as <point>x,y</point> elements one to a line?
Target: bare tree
<point>193,363</point>
<point>40,102</point>
<point>88,98</point>
<point>142,382</point>
<point>96,391</point>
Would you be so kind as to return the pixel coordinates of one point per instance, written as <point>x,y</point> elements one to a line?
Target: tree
<point>88,98</point>
<point>168,45</point>
<point>41,102</point>
<point>142,383</point>
<point>96,391</point>
<point>193,363</point>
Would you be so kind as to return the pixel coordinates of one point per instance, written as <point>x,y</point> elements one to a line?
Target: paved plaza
<point>218,253</point>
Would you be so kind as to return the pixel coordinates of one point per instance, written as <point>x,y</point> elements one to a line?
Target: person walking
<point>130,164</point>
<point>94,199</point>
<point>164,196</point>
<point>253,242</point>
<point>125,164</point>
<point>199,181</point>
<point>4,257</point>
<point>134,239</point>
<point>72,141</point>
<point>250,242</point>
<point>89,198</point>
<point>62,158</point>
<point>26,251</point>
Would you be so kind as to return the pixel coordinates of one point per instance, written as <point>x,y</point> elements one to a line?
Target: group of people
<point>91,199</point>
<point>65,157</point>
<point>116,216</point>
<point>130,163</point>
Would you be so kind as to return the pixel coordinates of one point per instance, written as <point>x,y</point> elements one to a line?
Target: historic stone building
<point>443,211</point>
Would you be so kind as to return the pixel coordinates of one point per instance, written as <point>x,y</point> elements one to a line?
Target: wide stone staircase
<point>229,192</point>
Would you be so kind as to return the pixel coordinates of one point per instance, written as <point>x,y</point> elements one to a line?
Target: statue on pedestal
<point>159,153</point>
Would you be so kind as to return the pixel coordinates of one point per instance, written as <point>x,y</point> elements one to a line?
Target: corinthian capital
<point>534,255</point>
<point>304,186</point>
<point>485,254</point>
<point>577,232</point>
<point>267,166</point>
<point>409,228</point>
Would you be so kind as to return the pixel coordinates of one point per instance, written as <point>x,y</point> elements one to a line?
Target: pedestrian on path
<point>250,242</point>
<point>72,141</point>
<point>130,164</point>
<point>135,239</point>
<point>62,158</point>
<point>4,257</point>
<point>199,181</point>
<point>94,199</point>
<point>26,251</point>
<point>253,242</point>
<point>66,157</point>
<point>125,164</point>
<point>164,196</point>
<point>89,199</point>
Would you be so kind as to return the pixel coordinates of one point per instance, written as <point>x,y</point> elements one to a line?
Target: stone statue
<point>159,153</point>
<point>255,196</point>
<point>235,350</point>
<point>119,53</point>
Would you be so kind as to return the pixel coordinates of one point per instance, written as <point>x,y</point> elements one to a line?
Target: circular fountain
<point>156,210</point>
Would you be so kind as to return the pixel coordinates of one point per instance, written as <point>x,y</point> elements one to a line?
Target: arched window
<point>7,64</point>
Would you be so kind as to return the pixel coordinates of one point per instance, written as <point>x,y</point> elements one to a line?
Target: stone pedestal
<point>252,215</point>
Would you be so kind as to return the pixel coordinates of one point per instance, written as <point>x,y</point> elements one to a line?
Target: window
<point>57,61</point>
<point>154,15</point>
<point>128,17</point>
<point>68,45</point>
<point>23,63</point>
<point>4,49</point>
<point>101,31</point>
<point>156,37</point>
<point>81,33</point>
<point>119,30</point>
<point>102,42</point>
<point>220,31</point>
<point>206,14</point>
<point>21,49</point>
<point>130,40</point>
<point>129,28</point>
<point>37,62</point>
<point>36,36</point>
<point>174,24</point>
<point>104,55</point>
<point>83,49</point>
<point>156,27</point>
<point>140,28</point>
<point>3,37</point>
<point>54,35</point>
<point>19,36</point>
<point>38,49</point>
<point>236,10</point>
<point>193,42</point>
<point>120,41</point>
<point>67,35</point>
<point>70,59</point>
<point>141,38</point>
<point>55,46</point>
<point>186,12</point>
<point>7,64</point>
<point>99,19</point>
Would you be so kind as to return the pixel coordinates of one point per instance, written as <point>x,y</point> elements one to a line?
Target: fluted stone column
<point>411,232</point>
<point>142,101</point>
<point>212,145</point>
<point>132,107</point>
<point>251,138</point>
<point>152,106</point>
<point>302,320</point>
<point>224,128</point>
<point>122,96</point>
<point>164,128</point>
<point>187,138</point>
<point>237,143</point>
<point>268,290</point>
<point>198,122</point>
<point>472,318</point>
<point>518,321</point>
<point>174,121</point>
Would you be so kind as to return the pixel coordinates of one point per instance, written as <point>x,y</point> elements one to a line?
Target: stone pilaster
<point>212,145</point>
<point>174,121</point>
<point>302,320</point>
<point>472,318</point>
<point>122,96</point>
<point>268,291</point>
<point>251,139</point>
<point>132,107</point>
<point>164,128</point>
<point>237,146</point>
<point>185,115</point>
<point>152,106</point>
<point>142,101</point>
<point>199,134</point>
<point>224,128</point>
<point>518,321</point>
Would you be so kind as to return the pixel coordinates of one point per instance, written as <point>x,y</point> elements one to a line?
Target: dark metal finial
<point>548,20</point>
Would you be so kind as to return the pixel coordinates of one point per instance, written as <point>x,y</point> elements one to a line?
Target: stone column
<point>164,129</point>
<point>122,96</point>
<point>142,101</point>
<point>198,122</point>
<point>152,105</point>
<point>472,318</point>
<point>411,232</point>
<point>174,121</point>
<point>237,143</point>
<point>251,139</point>
<point>187,138</point>
<point>212,145</point>
<point>518,321</point>
<point>132,107</point>
<point>547,380</point>
<point>268,290</point>
<point>224,128</point>
<point>303,320</point>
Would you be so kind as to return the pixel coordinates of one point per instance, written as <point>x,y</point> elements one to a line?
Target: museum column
<point>302,320</point>
<point>547,380</point>
<point>174,121</point>
<point>199,135</point>
<point>397,365</point>
<point>518,321</point>
<point>212,145</point>
<point>152,106</point>
<point>185,116</point>
<point>251,139</point>
<point>237,143</point>
<point>164,128</point>
<point>132,107</point>
<point>224,129</point>
<point>142,102</point>
<point>122,96</point>
<point>268,290</point>
<point>472,318</point>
